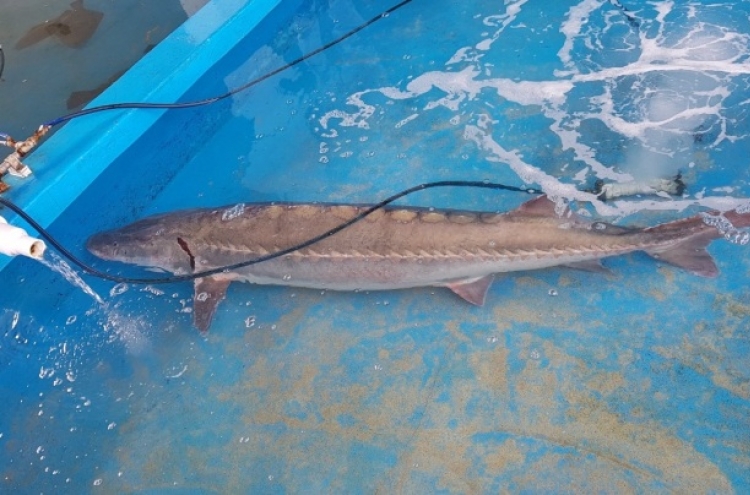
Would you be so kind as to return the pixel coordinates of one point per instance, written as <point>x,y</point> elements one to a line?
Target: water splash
<point>726,229</point>
<point>59,265</point>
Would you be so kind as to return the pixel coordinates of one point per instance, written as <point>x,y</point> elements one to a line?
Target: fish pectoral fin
<point>473,290</point>
<point>593,266</point>
<point>691,255</point>
<point>209,292</point>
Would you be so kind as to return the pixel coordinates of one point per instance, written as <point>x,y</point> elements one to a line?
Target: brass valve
<point>12,164</point>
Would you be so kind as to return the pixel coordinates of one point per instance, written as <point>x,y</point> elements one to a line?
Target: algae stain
<point>491,368</point>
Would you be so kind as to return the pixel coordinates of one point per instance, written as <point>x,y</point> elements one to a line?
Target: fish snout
<point>103,245</point>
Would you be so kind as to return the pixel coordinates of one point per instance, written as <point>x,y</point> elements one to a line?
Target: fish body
<point>392,248</point>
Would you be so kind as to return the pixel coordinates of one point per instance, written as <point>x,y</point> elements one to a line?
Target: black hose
<point>214,99</point>
<point>207,273</point>
<point>180,278</point>
<point>2,62</point>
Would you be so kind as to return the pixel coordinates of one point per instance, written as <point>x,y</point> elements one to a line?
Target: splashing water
<point>726,229</point>
<point>59,265</point>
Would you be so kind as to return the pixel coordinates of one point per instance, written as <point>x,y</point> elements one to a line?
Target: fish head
<point>148,242</point>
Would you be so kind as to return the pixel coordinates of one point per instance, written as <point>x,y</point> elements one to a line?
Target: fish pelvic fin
<point>473,290</point>
<point>209,292</point>
<point>690,255</point>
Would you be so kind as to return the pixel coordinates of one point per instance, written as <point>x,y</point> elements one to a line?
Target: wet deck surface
<point>565,381</point>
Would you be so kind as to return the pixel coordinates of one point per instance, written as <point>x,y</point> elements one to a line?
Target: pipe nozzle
<point>15,241</point>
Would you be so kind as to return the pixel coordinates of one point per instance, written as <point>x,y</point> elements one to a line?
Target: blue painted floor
<point>565,381</point>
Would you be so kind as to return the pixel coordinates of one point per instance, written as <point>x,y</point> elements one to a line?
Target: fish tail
<point>740,219</point>
<point>686,244</point>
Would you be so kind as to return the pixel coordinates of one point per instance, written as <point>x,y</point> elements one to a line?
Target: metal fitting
<point>12,164</point>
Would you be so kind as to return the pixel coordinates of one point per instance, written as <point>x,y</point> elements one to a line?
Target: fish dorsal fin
<point>209,292</point>
<point>541,207</point>
<point>473,290</point>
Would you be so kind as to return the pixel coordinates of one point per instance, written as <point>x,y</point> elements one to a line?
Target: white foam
<point>571,28</point>
<point>131,331</point>
<point>660,99</point>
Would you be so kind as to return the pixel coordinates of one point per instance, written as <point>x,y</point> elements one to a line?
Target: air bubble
<point>552,292</point>
<point>118,289</point>
<point>286,277</point>
<point>323,159</point>
<point>726,229</point>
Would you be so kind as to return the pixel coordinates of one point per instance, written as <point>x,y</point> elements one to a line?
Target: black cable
<point>214,99</point>
<point>181,278</point>
<point>632,20</point>
<point>2,62</point>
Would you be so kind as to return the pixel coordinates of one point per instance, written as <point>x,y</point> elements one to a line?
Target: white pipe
<point>15,241</point>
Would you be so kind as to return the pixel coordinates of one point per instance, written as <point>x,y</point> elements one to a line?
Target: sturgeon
<point>393,247</point>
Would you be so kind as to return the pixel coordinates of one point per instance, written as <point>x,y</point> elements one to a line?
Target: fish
<point>73,27</point>
<point>393,247</point>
